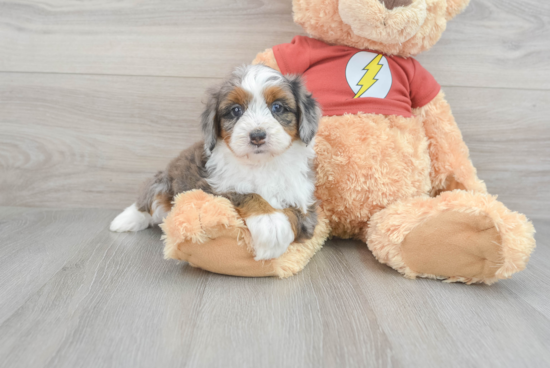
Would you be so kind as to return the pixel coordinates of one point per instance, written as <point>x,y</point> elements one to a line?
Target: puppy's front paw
<point>271,235</point>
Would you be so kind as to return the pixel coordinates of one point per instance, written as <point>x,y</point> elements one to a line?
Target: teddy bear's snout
<point>386,21</point>
<point>390,4</point>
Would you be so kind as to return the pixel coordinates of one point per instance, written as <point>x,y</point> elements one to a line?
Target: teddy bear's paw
<point>219,214</point>
<point>271,235</point>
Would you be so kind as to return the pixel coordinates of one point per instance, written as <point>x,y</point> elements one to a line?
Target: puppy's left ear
<point>210,121</point>
<point>309,111</point>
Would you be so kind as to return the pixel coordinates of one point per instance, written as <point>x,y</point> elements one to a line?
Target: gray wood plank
<point>113,301</point>
<point>87,314</point>
<point>99,136</point>
<point>496,43</point>
<point>533,286</point>
<point>507,132</point>
<point>433,324</point>
<point>88,141</point>
<point>35,244</point>
<point>162,38</point>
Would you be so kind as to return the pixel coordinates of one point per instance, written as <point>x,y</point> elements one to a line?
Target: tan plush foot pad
<point>454,243</point>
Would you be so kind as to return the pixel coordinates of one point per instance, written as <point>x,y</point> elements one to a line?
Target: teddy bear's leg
<point>207,232</point>
<point>458,236</point>
<point>226,254</point>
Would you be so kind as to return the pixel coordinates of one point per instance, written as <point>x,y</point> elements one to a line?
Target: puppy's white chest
<point>283,181</point>
<point>277,188</point>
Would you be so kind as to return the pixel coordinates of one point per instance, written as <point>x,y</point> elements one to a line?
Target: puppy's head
<point>259,113</point>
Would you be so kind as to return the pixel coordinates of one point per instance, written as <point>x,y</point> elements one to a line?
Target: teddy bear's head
<point>395,27</point>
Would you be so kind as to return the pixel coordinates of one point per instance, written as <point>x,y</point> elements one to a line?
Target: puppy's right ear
<point>210,121</point>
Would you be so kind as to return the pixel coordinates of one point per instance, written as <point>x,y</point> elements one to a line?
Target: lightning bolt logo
<point>369,78</point>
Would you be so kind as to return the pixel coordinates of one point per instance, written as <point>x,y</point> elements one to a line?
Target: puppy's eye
<point>236,111</point>
<point>277,108</point>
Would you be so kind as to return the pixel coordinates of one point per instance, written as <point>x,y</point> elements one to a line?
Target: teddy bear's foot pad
<point>454,244</point>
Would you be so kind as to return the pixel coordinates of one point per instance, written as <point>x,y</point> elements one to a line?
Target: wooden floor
<point>74,294</point>
<point>95,96</point>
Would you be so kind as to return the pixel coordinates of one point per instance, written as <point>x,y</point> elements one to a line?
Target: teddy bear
<point>392,168</point>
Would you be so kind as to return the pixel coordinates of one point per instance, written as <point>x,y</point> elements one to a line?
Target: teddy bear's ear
<point>309,112</point>
<point>455,7</point>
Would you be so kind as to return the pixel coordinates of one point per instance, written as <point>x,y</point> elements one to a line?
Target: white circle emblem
<point>368,75</point>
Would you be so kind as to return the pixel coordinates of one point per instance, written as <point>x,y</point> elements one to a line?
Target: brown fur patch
<point>164,200</point>
<point>292,130</point>
<point>277,93</point>
<point>226,136</point>
<point>237,96</point>
<point>293,219</point>
<point>249,205</point>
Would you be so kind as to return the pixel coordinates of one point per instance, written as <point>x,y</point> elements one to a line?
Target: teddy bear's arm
<point>267,58</point>
<point>451,164</point>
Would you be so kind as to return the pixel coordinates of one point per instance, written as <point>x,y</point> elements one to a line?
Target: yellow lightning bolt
<point>370,76</point>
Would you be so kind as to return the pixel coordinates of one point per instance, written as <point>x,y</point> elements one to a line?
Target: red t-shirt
<point>348,80</point>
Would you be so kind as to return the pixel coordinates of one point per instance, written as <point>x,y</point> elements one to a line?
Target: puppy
<point>259,128</point>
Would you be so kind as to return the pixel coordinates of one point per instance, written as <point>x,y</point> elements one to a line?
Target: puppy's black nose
<point>257,137</point>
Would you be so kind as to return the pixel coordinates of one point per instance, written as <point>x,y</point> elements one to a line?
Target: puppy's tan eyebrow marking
<point>237,96</point>
<point>276,93</point>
